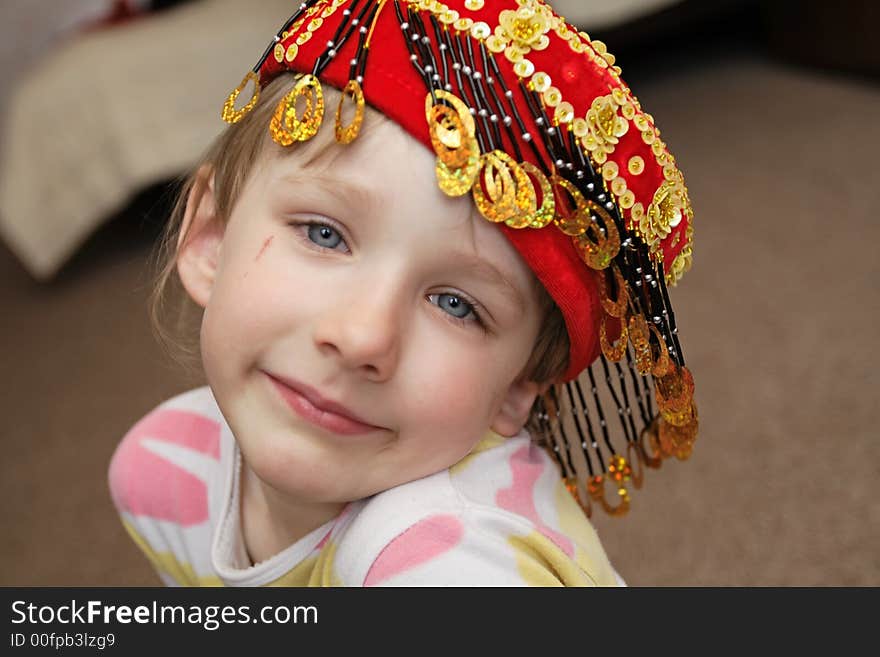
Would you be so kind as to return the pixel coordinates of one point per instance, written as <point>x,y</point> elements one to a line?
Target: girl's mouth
<point>311,406</point>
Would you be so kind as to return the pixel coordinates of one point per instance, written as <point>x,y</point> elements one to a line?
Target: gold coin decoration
<point>494,191</point>
<point>636,165</point>
<point>661,364</point>
<point>287,124</point>
<point>573,216</point>
<point>615,308</point>
<point>544,214</point>
<point>232,115</point>
<point>345,134</point>
<point>596,488</point>
<point>452,131</point>
<point>599,245</point>
<point>613,352</point>
<point>640,338</point>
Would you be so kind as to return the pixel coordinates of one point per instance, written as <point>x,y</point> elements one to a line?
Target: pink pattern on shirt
<point>146,484</point>
<point>520,496</point>
<point>427,539</point>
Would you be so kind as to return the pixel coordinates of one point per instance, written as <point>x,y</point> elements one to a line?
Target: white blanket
<point>113,111</point>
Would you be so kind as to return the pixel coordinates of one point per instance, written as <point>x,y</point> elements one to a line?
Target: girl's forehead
<point>385,167</point>
<point>385,184</point>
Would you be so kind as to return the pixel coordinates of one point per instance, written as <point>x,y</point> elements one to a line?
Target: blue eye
<point>324,236</point>
<point>453,305</point>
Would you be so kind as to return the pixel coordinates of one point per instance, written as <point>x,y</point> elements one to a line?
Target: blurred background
<point>773,112</point>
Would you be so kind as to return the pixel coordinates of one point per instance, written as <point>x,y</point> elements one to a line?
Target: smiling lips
<point>312,407</point>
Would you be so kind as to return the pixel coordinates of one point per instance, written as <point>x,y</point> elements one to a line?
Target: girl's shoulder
<point>190,421</point>
<point>162,474</point>
<point>499,517</point>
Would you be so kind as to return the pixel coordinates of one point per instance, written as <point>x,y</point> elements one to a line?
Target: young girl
<point>375,347</point>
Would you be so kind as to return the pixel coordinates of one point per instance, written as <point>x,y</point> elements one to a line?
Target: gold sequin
<point>564,112</point>
<point>495,44</point>
<point>450,123</point>
<point>661,364</point>
<point>573,218</point>
<point>599,244</point>
<point>448,17</point>
<point>345,134</point>
<point>452,131</point>
<point>610,170</point>
<point>619,470</point>
<point>232,115</point>
<point>577,46</point>
<point>303,38</point>
<point>579,127</point>
<point>513,53</point>
<point>527,25</point>
<point>605,128</point>
<point>524,68</point>
<point>540,82</point>
<point>637,212</point>
<point>287,125</point>
<point>596,489</point>
<point>278,51</point>
<point>481,30</point>
<point>682,262</point>
<point>675,394</point>
<point>618,186</point>
<point>526,199</point>
<point>664,213</point>
<point>463,24</point>
<point>615,308</point>
<point>627,199</point>
<point>640,337</point>
<point>546,213</point>
<point>552,97</point>
<point>474,5</point>
<point>616,351</point>
<point>636,165</point>
<point>498,202</point>
<point>678,441</point>
<point>641,123</point>
<point>292,52</point>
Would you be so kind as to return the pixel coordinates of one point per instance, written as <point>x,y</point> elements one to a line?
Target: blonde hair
<point>232,158</point>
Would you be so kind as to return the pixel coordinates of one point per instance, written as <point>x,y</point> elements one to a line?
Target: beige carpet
<point>778,322</point>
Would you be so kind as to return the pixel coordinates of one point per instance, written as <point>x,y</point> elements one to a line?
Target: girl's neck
<point>271,522</point>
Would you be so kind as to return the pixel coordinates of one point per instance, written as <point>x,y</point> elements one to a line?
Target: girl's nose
<point>362,331</point>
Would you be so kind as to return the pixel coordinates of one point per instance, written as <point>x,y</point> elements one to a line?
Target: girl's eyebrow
<point>484,269</point>
<point>355,195</point>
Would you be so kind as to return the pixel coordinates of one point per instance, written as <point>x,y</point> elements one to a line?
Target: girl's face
<point>361,329</point>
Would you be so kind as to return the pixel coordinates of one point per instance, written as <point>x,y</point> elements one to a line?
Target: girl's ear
<point>517,405</point>
<point>200,240</point>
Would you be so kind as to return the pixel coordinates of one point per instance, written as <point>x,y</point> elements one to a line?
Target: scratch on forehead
<point>264,247</point>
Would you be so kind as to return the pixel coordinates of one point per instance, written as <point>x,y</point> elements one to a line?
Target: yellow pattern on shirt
<point>316,570</point>
<point>167,563</point>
